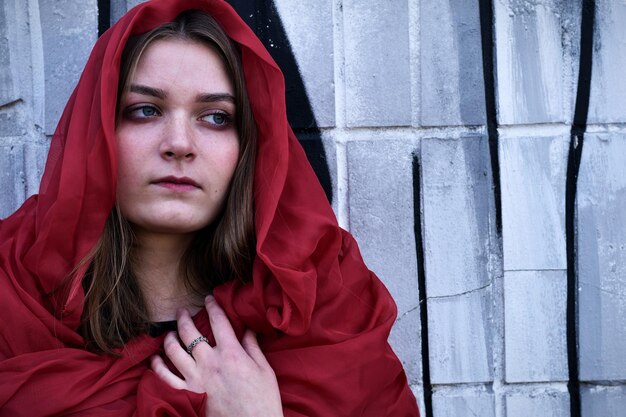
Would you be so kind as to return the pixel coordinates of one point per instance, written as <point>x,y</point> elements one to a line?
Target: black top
<point>160,327</point>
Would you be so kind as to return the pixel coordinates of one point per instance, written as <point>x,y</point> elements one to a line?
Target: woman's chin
<point>170,227</point>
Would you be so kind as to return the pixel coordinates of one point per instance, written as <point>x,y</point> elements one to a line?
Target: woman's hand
<point>236,377</point>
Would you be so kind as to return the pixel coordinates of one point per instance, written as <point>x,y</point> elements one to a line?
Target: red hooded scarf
<point>322,317</point>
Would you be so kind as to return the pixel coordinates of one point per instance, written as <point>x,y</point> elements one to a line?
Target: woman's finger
<point>251,346</point>
<point>189,333</point>
<point>159,368</point>
<point>179,357</point>
<point>223,332</point>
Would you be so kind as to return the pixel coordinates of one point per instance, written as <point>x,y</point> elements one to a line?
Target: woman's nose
<point>177,141</point>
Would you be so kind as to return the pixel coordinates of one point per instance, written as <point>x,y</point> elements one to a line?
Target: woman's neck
<point>158,272</point>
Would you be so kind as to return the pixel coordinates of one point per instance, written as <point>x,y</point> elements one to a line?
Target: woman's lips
<point>177,183</point>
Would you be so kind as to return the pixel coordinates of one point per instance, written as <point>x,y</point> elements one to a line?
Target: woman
<point>146,206</point>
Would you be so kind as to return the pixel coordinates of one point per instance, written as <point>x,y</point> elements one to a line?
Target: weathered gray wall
<point>398,93</point>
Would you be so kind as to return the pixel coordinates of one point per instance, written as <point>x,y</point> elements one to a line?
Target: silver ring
<point>195,342</point>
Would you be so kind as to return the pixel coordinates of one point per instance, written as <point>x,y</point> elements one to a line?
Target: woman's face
<point>177,144</point>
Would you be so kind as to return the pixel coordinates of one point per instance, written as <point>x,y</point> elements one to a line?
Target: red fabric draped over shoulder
<point>322,317</point>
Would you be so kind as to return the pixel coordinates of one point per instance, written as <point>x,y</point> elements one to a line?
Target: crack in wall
<point>468,292</point>
<point>409,311</point>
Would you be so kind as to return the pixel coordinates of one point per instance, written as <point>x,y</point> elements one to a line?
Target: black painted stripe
<point>421,282</point>
<point>489,78</point>
<point>263,17</point>
<point>104,16</point>
<point>577,137</point>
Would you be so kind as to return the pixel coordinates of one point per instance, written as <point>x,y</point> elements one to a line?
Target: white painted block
<point>35,156</point>
<point>69,31</point>
<point>377,72</point>
<point>601,226</point>
<point>12,120</point>
<point>543,404</point>
<point>120,7</point>
<point>451,68</point>
<point>460,338</point>
<point>458,221</point>
<point>381,219</point>
<point>15,65</point>
<point>532,178</point>
<point>406,342</point>
<point>464,403</point>
<point>11,178</point>
<point>603,401</point>
<point>530,65</point>
<point>8,91</point>
<point>418,392</point>
<point>534,326</point>
<point>608,84</point>
<point>459,214</point>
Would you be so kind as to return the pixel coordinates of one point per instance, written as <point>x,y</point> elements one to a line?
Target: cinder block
<point>607,401</point>
<point>69,30</point>
<point>530,68</point>
<point>377,72</point>
<point>460,338</point>
<point>458,212</point>
<point>546,404</point>
<point>534,326</point>
<point>21,70</point>
<point>120,7</point>
<point>532,178</point>
<point>35,155</point>
<point>405,340</point>
<point>12,121</point>
<point>11,178</point>
<point>381,219</point>
<point>608,85</point>
<point>14,66</point>
<point>133,3</point>
<point>468,403</point>
<point>601,249</point>
<point>451,67</point>
<point>310,33</point>
<point>381,212</point>
<point>117,10</point>
<point>418,391</point>
<point>8,92</point>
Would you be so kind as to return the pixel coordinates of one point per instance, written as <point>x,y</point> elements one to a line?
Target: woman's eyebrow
<point>148,91</point>
<point>212,97</point>
<point>200,98</point>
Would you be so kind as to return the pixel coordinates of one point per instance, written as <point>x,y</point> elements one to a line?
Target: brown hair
<point>115,310</point>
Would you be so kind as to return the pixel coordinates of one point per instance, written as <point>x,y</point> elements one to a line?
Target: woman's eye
<point>142,112</point>
<point>217,119</point>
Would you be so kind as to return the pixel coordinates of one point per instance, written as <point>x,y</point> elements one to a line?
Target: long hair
<point>115,310</point>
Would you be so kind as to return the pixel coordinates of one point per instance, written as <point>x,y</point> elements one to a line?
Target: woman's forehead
<point>181,63</point>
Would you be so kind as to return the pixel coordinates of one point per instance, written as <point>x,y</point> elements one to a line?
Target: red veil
<point>322,317</point>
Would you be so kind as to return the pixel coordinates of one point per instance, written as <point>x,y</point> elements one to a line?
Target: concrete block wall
<point>43,48</point>
<point>450,169</point>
